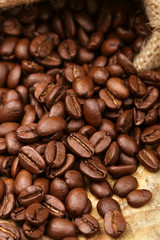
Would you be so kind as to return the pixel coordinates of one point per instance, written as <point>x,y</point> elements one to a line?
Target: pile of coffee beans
<point>72,111</point>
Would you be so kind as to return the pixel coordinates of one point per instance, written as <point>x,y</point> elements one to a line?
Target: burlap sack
<point>142,223</point>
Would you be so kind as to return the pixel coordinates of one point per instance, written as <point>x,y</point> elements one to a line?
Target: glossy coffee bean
<point>8,230</point>
<point>33,232</point>
<point>42,182</point>
<point>88,206</point>
<point>98,74</point>
<point>114,223</point>
<point>76,202</point>
<point>60,228</point>
<point>139,198</point>
<point>7,205</point>
<point>55,207</point>
<point>117,87</point>
<point>83,86</point>
<point>111,102</point>
<point>125,185</point>
<point>127,144</point>
<point>124,121</point>
<point>107,204</point>
<point>136,86</point>
<point>74,179</point>
<point>126,64</point>
<point>101,190</point>
<point>122,170</point>
<point>18,215</point>
<point>59,188</point>
<point>150,135</point>
<point>36,214</point>
<point>149,159</point>
<point>88,167</point>
<point>12,143</point>
<point>110,46</point>
<point>73,107</point>
<point>27,134</point>
<point>22,180</point>
<point>109,127</point>
<point>100,141</point>
<point>67,49</point>
<point>87,225</point>
<point>112,154</point>
<point>124,159</point>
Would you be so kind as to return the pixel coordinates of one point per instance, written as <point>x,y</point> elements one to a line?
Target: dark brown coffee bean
<point>110,46</point>
<point>112,154</point>
<point>27,134</point>
<point>7,205</point>
<point>100,141</point>
<point>55,154</point>
<point>18,215</point>
<point>124,121</point>
<point>126,160</point>
<point>74,179</point>
<point>60,228</point>
<point>7,127</point>
<point>5,165</point>
<point>114,223</point>
<point>22,180</point>
<point>31,160</point>
<point>31,67</point>
<point>67,49</point>
<point>87,225</point>
<point>80,145</point>
<point>109,127</point>
<point>59,188</point>
<point>122,170</point>
<point>125,185</point>
<point>36,214</point>
<point>9,231</point>
<point>84,56</point>
<point>45,126</point>
<point>88,206</point>
<point>101,190</point>
<point>127,144</point>
<point>151,117</point>
<point>93,168</point>
<point>70,26</point>
<point>7,48</point>
<point>98,74</point>
<point>9,185</point>
<point>126,64</point>
<point>76,202</point>
<point>3,145</point>
<point>83,86</point>
<point>136,86</point>
<point>139,198</point>
<point>84,21</point>
<point>2,187</point>
<point>111,101</point>
<point>44,183</point>
<point>151,134</point>
<point>139,117</point>
<point>32,232</point>
<point>11,111</point>
<point>87,131</point>
<point>73,71</point>
<point>117,87</point>
<point>104,20</point>
<point>12,143</point>
<point>100,61</point>
<point>107,204</point>
<point>148,100</point>
<point>31,194</point>
<point>55,207</point>
<point>149,159</point>
<point>95,41</point>
<point>83,37</point>
<point>73,106</point>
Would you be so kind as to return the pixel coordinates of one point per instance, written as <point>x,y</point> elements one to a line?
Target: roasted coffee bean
<point>125,185</point>
<point>117,87</point>
<point>31,160</point>
<point>22,180</point>
<point>151,134</point>
<point>109,127</point>
<point>92,112</point>
<point>27,134</point>
<point>139,198</point>
<point>84,21</point>
<point>111,102</point>
<point>55,154</point>
<point>93,168</point>
<point>60,228</point>
<point>59,188</point>
<point>98,74</point>
<point>73,107</point>
<point>127,144</point>
<point>32,232</point>
<point>126,160</point>
<point>50,125</point>
<point>151,117</point>
<point>73,71</point>
<point>67,49</point>
<point>107,204</point>
<point>16,167</point>
<point>80,145</point>
<point>114,223</point>
<point>101,190</point>
<point>3,145</point>
<point>100,141</point>
<point>122,170</point>
<point>136,86</point>
<point>42,182</point>
<point>2,187</point>
<point>31,194</point>
<point>139,117</point>
<point>9,231</point>
<point>7,205</point>
<point>55,207</point>
<point>124,121</point>
<point>110,46</point>
<point>12,143</point>
<point>88,206</point>
<point>137,135</point>
<point>7,127</point>
<point>18,215</point>
<point>58,93</point>
<point>74,179</point>
<point>149,159</point>
<point>36,214</point>
<point>115,70</point>
<point>9,185</point>
<point>112,154</point>
<point>87,131</point>
<point>87,225</point>
<point>6,164</point>
<point>126,64</point>
<point>95,41</point>
<point>76,202</point>
<point>84,56</point>
<point>83,86</point>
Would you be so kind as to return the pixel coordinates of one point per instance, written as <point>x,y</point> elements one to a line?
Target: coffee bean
<point>33,232</point>
<point>87,225</point>
<point>67,49</point>
<point>7,205</point>
<point>107,204</point>
<point>22,180</point>
<point>109,127</point>
<point>2,187</point>
<point>149,159</point>
<point>125,185</point>
<point>117,87</point>
<point>100,141</point>
<point>111,101</point>
<point>101,190</point>
<point>93,168</point>
<point>73,107</point>
<point>112,154</point>
<point>136,86</point>
<point>80,145</point>
<point>18,215</point>
<point>127,144</point>
<point>31,160</point>
<point>76,202</point>
<point>55,207</point>
<point>60,228</point>
<point>139,198</point>
<point>151,134</point>
<point>98,74</point>
<point>9,231</point>
<point>127,160</point>
<point>88,206</point>
<point>114,223</point>
<point>124,121</point>
<point>84,21</point>
<point>126,64</point>
<point>122,170</point>
<point>110,46</point>
<point>95,41</point>
<point>36,214</point>
<point>42,182</point>
<point>59,188</point>
<point>83,86</point>
<point>74,179</point>
<point>31,194</point>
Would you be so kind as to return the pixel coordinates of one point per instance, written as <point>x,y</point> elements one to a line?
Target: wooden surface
<point>142,223</point>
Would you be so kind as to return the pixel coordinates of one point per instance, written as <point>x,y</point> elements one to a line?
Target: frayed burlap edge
<point>4,4</point>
